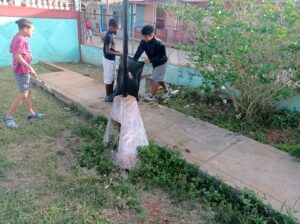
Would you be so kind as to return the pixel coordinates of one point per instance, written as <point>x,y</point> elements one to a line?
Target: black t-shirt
<point>109,39</point>
<point>154,49</point>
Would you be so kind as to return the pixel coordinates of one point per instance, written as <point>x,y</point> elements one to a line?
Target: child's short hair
<point>147,30</point>
<point>113,22</point>
<point>23,23</point>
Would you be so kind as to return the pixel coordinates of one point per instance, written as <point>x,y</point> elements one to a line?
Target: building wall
<point>149,14</point>
<point>54,40</point>
<point>170,25</point>
<point>292,104</point>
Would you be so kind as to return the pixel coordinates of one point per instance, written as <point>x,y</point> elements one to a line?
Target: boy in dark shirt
<point>108,60</point>
<point>156,52</point>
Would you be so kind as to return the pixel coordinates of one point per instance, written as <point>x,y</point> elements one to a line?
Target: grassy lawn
<point>41,180</point>
<point>91,71</point>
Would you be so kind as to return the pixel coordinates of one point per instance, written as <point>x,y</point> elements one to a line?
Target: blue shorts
<point>23,82</point>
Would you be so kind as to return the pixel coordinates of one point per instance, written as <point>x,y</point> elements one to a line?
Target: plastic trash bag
<point>135,69</point>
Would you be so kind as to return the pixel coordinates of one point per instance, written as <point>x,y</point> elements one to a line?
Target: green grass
<point>96,155</point>
<point>164,168</point>
<point>37,186</point>
<point>92,71</point>
<point>41,180</point>
<point>160,167</point>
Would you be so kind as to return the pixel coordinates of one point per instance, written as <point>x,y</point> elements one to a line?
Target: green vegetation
<point>248,51</point>
<point>41,180</point>
<point>160,167</point>
<point>278,128</point>
<point>164,168</point>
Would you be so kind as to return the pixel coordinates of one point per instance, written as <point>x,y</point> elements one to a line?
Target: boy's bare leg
<point>28,101</point>
<point>109,88</point>
<point>154,87</point>
<point>16,103</point>
<point>163,85</point>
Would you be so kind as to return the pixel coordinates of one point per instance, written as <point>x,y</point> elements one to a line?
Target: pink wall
<point>149,14</point>
<point>170,34</point>
<point>170,25</point>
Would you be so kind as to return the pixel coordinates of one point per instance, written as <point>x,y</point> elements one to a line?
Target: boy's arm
<point>139,51</point>
<point>108,50</point>
<point>21,60</point>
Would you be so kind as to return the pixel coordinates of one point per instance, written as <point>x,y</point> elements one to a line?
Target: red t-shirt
<point>87,26</point>
<point>20,45</point>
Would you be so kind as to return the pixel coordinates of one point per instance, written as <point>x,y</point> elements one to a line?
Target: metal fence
<point>170,35</point>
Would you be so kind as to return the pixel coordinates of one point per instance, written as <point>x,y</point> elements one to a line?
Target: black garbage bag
<point>135,69</point>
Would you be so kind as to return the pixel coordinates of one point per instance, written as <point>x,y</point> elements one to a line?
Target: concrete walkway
<point>236,159</point>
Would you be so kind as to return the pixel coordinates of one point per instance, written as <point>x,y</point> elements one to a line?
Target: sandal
<point>36,116</point>
<point>10,123</point>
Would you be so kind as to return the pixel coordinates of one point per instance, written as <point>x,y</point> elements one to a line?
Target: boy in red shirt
<point>22,58</point>
<point>88,31</point>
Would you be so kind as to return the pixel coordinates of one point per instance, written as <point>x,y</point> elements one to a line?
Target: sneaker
<point>174,92</point>
<point>9,122</point>
<point>149,98</point>
<point>108,99</point>
<point>36,116</point>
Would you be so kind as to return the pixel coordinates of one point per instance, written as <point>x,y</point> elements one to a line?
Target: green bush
<point>282,119</point>
<point>250,49</point>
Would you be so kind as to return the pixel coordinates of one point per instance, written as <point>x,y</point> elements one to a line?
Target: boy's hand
<point>33,73</point>
<point>120,53</point>
<point>146,61</point>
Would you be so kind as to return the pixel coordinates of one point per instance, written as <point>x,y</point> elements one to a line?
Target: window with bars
<point>160,18</point>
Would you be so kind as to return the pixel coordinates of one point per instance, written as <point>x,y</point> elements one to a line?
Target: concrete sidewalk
<point>236,159</point>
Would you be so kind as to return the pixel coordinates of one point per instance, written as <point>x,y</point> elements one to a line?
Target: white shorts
<point>88,33</point>
<point>109,70</point>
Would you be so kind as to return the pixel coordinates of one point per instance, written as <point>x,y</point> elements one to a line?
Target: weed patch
<point>161,167</point>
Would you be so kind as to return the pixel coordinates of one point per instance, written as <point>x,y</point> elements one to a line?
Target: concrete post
<point>126,121</point>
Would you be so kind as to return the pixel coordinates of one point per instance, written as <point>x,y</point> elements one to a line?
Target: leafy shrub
<point>282,119</point>
<point>250,49</point>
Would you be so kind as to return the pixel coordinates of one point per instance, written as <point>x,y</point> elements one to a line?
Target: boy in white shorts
<point>108,60</point>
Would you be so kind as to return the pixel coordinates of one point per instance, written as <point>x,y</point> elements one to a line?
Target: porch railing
<point>46,4</point>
